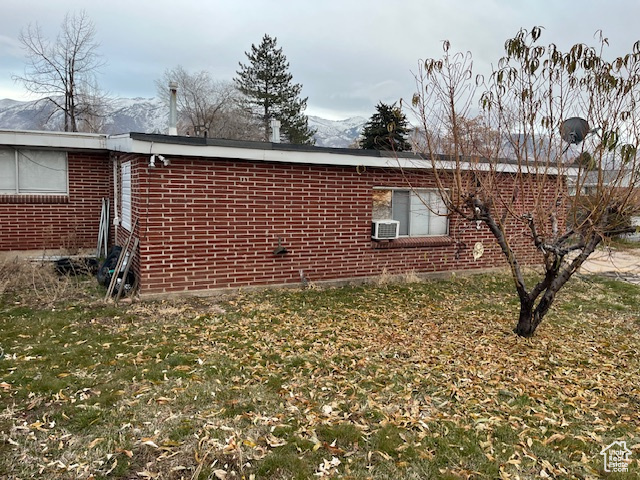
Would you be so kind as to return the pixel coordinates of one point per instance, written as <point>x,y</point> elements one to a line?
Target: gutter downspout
<point>116,218</point>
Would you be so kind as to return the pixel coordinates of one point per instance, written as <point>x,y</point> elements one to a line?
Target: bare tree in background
<point>207,106</point>
<point>93,107</point>
<point>509,165</point>
<point>64,71</point>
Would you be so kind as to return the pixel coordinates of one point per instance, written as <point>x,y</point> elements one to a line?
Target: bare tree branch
<point>523,105</point>
<point>208,107</point>
<point>64,70</point>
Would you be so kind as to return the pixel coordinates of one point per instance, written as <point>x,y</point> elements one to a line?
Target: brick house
<point>51,186</point>
<point>215,214</point>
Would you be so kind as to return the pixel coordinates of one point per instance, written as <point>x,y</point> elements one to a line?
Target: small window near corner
<point>34,172</point>
<point>421,213</point>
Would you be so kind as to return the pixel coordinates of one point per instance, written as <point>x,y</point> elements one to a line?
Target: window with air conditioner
<point>34,172</point>
<point>420,213</point>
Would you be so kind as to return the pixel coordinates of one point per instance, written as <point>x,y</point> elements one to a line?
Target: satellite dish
<point>574,130</point>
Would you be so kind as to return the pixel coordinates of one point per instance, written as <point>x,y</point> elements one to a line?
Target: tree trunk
<point>527,321</point>
<point>531,317</point>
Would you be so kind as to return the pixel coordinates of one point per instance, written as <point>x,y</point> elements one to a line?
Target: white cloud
<point>348,54</point>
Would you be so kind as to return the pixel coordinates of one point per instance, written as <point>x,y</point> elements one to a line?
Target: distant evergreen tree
<point>270,93</point>
<point>387,129</point>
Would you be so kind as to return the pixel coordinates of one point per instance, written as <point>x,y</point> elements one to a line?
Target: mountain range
<point>149,115</point>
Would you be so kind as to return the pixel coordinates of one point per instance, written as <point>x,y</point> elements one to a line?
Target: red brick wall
<point>49,222</point>
<point>207,224</point>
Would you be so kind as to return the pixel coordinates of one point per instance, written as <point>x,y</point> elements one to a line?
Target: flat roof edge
<point>149,144</point>
<point>70,140</point>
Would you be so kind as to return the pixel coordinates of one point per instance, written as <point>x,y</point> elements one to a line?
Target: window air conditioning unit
<point>385,229</point>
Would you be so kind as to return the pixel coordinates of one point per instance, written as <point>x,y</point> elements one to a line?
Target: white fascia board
<point>66,140</point>
<point>502,167</point>
<point>126,144</point>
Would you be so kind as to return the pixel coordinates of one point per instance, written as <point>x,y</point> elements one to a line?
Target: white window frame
<point>24,155</point>
<point>416,196</point>
<point>125,195</point>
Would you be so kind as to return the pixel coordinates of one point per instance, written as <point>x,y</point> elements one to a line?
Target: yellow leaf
<point>128,453</point>
<point>504,475</point>
<point>38,426</point>
<point>383,455</point>
<point>274,441</point>
<point>95,442</point>
<point>595,436</point>
<point>553,438</point>
<point>171,443</point>
<point>146,474</point>
<point>547,465</point>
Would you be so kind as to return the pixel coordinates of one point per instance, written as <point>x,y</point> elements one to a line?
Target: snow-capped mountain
<point>340,133</point>
<point>23,115</point>
<point>149,115</point>
<point>142,115</point>
<point>121,115</point>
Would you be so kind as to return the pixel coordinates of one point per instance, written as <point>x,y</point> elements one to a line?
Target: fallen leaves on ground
<point>422,380</point>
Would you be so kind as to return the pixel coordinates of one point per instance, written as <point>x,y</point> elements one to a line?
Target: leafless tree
<point>509,166</point>
<point>64,70</point>
<point>207,106</point>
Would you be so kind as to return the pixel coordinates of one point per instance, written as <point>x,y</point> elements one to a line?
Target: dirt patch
<point>619,264</point>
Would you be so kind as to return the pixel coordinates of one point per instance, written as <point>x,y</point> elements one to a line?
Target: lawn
<point>413,380</point>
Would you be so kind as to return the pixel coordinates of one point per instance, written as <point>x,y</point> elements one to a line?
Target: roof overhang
<point>64,140</point>
<point>149,144</point>
<point>216,149</point>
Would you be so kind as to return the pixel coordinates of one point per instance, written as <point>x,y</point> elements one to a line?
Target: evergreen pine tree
<point>387,129</point>
<point>270,93</point>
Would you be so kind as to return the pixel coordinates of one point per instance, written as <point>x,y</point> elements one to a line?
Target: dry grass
<point>38,283</point>
<point>385,278</point>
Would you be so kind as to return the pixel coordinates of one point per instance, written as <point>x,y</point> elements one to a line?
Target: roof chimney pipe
<point>275,130</point>
<point>173,108</point>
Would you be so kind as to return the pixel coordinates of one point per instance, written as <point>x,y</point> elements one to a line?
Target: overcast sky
<point>347,54</point>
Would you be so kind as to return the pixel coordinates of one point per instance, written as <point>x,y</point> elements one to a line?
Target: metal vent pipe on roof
<point>173,108</point>
<point>275,130</point>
